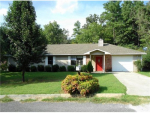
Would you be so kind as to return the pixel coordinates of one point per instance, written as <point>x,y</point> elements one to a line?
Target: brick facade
<point>87,58</point>
<point>108,63</point>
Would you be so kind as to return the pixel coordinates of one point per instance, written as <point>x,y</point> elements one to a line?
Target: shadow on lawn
<point>100,74</point>
<point>32,77</point>
<point>102,89</point>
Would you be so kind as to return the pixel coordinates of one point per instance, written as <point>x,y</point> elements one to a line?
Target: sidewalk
<point>43,96</point>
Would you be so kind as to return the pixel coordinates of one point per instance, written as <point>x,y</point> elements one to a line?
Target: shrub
<point>3,66</point>
<point>89,67</point>
<point>71,68</point>
<point>48,68</point>
<point>28,69</point>
<point>146,61</point>
<point>33,69</point>
<point>84,68</point>
<point>62,68</point>
<point>12,68</point>
<point>83,85</point>
<point>138,65</point>
<point>55,68</point>
<point>18,68</point>
<point>40,68</point>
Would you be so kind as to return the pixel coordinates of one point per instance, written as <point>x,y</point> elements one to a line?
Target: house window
<point>73,60</point>
<point>76,60</point>
<point>79,60</point>
<point>50,60</point>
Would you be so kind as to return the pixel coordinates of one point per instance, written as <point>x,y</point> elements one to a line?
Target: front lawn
<point>50,83</point>
<point>146,73</point>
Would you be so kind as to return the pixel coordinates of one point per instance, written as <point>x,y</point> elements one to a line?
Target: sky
<point>65,12</point>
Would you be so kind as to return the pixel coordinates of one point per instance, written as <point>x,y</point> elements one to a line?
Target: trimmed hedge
<point>71,68</point>
<point>40,68</point>
<point>62,68</point>
<point>18,69</point>
<point>33,69</point>
<point>89,67</point>
<point>47,68</point>
<point>138,65</point>
<point>80,84</point>
<point>28,69</point>
<point>84,68</point>
<point>55,68</point>
<point>12,68</point>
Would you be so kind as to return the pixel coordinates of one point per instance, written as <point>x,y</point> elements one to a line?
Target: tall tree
<point>27,44</point>
<point>54,34</point>
<point>92,19</point>
<point>128,31</point>
<point>112,16</point>
<point>4,43</point>
<point>143,21</point>
<point>76,30</point>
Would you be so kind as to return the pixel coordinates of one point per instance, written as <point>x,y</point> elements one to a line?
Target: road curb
<point>43,96</point>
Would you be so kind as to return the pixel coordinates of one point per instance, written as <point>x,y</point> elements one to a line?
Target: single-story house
<point>104,56</point>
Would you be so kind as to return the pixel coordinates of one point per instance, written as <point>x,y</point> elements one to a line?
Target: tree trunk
<point>23,71</point>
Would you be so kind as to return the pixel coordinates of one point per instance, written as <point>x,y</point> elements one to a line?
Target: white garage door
<point>122,63</point>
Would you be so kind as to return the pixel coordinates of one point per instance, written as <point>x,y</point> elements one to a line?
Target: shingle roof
<point>81,49</point>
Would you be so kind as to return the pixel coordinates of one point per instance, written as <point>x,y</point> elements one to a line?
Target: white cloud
<point>3,11</point>
<point>65,6</point>
<point>69,24</point>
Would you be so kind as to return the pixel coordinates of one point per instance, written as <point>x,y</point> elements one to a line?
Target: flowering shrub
<point>3,66</point>
<point>80,84</point>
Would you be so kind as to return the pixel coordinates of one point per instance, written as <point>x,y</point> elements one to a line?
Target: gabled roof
<point>81,49</point>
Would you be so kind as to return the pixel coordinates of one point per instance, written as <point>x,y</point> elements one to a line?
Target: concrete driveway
<point>135,83</point>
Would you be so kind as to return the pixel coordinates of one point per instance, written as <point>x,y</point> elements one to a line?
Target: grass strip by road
<point>125,99</point>
<point>146,73</point>
<point>6,99</point>
<point>29,100</point>
<point>50,83</point>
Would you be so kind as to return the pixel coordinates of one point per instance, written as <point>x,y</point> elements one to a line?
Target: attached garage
<point>122,63</point>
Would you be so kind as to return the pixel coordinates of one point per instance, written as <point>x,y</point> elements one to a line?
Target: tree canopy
<point>122,23</point>
<point>54,34</point>
<point>27,43</point>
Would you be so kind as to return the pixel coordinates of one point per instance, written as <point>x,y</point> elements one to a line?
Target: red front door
<point>99,64</point>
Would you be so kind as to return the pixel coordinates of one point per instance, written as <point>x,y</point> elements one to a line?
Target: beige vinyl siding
<point>41,63</point>
<point>61,60</point>
<point>11,61</point>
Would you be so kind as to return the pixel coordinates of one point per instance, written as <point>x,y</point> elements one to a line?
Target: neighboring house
<point>104,56</point>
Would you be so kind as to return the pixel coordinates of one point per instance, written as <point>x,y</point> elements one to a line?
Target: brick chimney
<point>100,42</point>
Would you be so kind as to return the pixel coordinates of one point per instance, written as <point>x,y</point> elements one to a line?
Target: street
<point>63,107</point>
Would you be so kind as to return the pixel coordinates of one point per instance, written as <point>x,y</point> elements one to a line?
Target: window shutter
<point>46,60</point>
<point>54,58</point>
<point>84,60</point>
<point>69,60</point>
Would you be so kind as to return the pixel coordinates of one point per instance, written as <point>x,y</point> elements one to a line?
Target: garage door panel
<point>122,63</point>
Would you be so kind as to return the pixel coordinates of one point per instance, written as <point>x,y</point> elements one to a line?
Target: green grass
<point>6,99</point>
<point>50,83</point>
<point>29,100</point>
<point>126,99</point>
<point>146,73</point>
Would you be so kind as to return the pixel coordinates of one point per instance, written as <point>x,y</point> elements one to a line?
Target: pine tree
<point>89,67</point>
<point>27,44</point>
